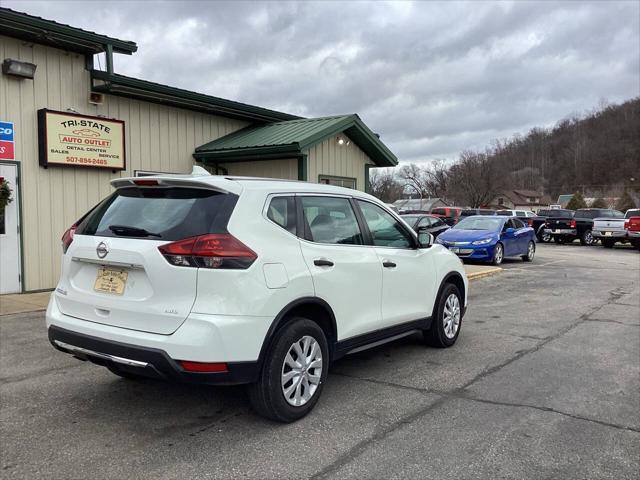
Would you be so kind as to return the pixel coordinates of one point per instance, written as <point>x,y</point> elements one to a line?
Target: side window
<point>330,220</point>
<point>282,211</point>
<point>520,213</point>
<point>425,222</point>
<point>385,230</point>
<point>517,223</point>
<point>506,225</point>
<point>436,222</point>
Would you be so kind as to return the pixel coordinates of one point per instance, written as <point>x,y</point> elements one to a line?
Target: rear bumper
<point>144,361</point>
<point>561,231</point>
<point>618,234</point>
<point>632,234</point>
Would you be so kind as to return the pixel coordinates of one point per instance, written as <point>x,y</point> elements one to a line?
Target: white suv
<point>224,280</point>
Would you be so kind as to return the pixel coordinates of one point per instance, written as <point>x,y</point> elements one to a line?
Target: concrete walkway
<point>33,302</point>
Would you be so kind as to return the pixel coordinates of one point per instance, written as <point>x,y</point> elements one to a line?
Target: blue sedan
<point>490,238</point>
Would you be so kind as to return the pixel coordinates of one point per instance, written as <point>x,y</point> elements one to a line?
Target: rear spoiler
<point>194,180</point>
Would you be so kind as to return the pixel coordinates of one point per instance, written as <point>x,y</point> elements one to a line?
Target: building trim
<point>47,32</point>
<point>20,222</point>
<point>115,84</point>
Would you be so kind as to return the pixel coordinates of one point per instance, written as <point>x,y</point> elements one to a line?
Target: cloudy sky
<point>433,78</point>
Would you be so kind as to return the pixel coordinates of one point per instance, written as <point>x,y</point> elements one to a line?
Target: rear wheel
<point>531,251</point>
<point>446,323</point>
<point>498,254</point>
<point>543,235</point>
<point>586,238</point>
<point>608,243</point>
<point>293,372</point>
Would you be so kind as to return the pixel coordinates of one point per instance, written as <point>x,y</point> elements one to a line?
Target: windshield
<point>159,213</point>
<point>479,223</point>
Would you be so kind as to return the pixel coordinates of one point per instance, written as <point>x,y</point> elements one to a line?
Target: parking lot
<point>543,382</point>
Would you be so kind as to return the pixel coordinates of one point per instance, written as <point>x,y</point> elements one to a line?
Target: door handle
<point>388,264</point>
<point>322,262</point>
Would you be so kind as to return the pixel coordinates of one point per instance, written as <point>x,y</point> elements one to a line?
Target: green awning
<point>290,139</point>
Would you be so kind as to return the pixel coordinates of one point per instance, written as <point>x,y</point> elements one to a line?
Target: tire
<point>559,240</point>
<point>444,330</point>
<point>498,254</point>
<point>531,251</point>
<point>267,395</point>
<point>543,236</point>
<point>608,243</point>
<point>586,239</point>
<point>124,374</point>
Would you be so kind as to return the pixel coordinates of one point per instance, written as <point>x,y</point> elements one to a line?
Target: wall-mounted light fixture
<point>342,141</point>
<point>17,68</point>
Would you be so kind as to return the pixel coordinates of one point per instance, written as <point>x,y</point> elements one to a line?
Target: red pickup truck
<point>632,226</point>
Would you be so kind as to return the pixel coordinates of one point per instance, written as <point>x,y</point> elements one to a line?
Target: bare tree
<point>475,180</point>
<point>385,186</point>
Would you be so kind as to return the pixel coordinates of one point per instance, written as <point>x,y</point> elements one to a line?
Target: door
<point>408,273</point>
<point>10,234</point>
<point>509,239</point>
<point>521,236</point>
<point>346,273</point>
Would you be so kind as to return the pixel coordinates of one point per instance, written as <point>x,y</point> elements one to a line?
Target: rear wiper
<point>127,231</point>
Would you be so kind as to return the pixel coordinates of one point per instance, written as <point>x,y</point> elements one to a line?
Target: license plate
<point>110,281</point>
<point>455,249</point>
<point>607,234</point>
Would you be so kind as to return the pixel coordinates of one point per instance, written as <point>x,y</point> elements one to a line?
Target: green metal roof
<point>47,32</point>
<point>292,138</point>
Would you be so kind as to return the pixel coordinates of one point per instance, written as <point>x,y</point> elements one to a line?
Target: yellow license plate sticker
<point>110,281</point>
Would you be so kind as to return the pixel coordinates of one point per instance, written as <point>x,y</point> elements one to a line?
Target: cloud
<point>433,78</point>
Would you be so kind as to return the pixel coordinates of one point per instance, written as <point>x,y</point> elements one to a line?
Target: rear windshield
<point>468,213</point>
<point>561,213</point>
<point>486,212</point>
<point>439,211</point>
<point>632,213</point>
<point>163,213</point>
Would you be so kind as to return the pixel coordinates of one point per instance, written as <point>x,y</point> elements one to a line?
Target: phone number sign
<point>71,139</point>
<point>7,151</point>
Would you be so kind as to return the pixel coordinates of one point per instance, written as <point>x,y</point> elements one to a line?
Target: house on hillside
<point>521,200</point>
<point>422,204</point>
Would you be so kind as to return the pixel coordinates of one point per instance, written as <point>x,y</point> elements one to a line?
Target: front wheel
<point>586,238</point>
<point>531,251</point>
<point>293,374</point>
<point>498,254</point>
<point>446,323</point>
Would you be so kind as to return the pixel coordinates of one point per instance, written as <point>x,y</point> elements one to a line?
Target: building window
<point>347,182</point>
<point>3,230</point>
<point>532,200</point>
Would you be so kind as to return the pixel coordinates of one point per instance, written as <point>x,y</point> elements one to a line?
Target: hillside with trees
<point>596,153</point>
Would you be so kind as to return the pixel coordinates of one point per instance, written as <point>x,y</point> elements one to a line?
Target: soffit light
<point>341,141</point>
<point>18,69</point>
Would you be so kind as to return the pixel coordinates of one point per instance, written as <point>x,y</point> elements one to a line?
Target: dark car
<point>567,229</point>
<point>426,223</point>
<point>469,212</point>
<point>540,221</point>
<point>449,215</point>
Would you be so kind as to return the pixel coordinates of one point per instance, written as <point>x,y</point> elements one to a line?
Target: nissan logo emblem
<point>102,250</point>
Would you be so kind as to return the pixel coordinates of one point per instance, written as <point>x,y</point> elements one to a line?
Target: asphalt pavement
<point>544,382</point>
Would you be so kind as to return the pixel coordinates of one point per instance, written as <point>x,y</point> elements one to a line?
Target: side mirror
<point>510,231</point>
<point>425,239</point>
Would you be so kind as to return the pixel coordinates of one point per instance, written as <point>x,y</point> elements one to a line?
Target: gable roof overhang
<point>47,32</point>
<point>291,139</point>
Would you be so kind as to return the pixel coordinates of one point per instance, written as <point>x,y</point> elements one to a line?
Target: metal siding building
<point>164,128</point>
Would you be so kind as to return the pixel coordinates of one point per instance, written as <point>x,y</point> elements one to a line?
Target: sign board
<point>6,141</point>
<point>71,139</point>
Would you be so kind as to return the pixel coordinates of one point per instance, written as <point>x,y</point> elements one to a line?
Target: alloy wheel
<point>498,254</point>
<point>301,371</point>
<point>531,251</point>
<point>451,316</point>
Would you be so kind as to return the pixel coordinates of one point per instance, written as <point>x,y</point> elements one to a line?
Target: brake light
<point>203,367</point>
<point>214,250</point>
<point>530,222</point>
<point>146,183</point>
<point>67,238</point>
<point>572,224</point>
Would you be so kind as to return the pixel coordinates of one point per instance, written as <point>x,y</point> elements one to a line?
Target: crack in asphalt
<point>460,392</point>
<point>612,321</point>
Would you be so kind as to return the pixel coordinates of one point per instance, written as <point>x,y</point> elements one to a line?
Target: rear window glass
<point>504,213</point>
<point>632,213</point>
<point>282,211</point>
<point>588,213</point>
<point>439,211</point>
<point>164,213</point>
<point>561,213</point>
<point>486,212</point>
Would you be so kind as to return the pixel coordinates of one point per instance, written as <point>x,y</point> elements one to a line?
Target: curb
<point>485,273</point>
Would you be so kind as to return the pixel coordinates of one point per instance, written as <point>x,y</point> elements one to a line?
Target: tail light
<point>572,224</point>
<point>215,250</point>
<point>67,238</point>
<point>530,222</point>
<point>202,367</point>
<point>626,224</point>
